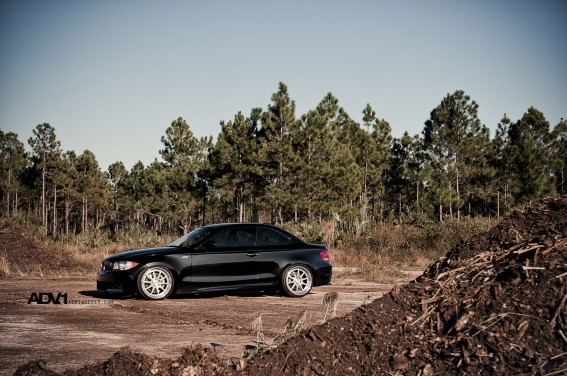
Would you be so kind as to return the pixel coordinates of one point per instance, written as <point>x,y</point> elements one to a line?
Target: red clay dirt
<point>91,327</point>
<point>495,305</point>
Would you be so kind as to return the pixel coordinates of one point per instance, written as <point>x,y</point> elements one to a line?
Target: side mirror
<point>210,245</point>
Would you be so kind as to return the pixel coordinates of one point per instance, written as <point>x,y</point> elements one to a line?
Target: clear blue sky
<point>111,76</point>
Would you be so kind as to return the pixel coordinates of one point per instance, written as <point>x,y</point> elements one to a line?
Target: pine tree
<point>68,181</point>
<point>275,152</point>
<point>183,155</point>
<point>328,179</point>
<point>235,159</point>
<point>365,153</point>
<point>559,156</point>
<point>117,176</point>
<point>135,193</point>
<point>46,151</point>
<point>181,147</point>
<point>155,199</point>
<point>204,178</point>
<point>92,187</point>
<point>481,186</point>
<point>382,140</point>
<point>503,164</point>
<point>454,140</point>
<point>530,138</point>
<point>403,179</point>
<point>12,161</point>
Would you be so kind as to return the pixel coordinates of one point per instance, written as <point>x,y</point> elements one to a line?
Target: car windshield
<point>192,238</point>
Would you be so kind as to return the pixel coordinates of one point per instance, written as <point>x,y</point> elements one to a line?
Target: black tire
<point>297,281</point>
<point>155,283</point>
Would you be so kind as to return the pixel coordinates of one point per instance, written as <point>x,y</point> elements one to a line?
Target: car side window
<point>235,237</point>
<point>267,236</point>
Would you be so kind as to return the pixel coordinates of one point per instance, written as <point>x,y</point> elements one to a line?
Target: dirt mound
<point>541,223</point>
<point>197,360</point>
<point>494,305</point>
<point>23,254</point>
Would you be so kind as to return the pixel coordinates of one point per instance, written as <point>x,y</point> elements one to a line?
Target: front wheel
<point>155,283</point>
<point>297,281</point>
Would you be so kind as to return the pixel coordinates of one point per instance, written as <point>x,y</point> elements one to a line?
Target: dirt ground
<point>494,305</point>
<point>91,327</point>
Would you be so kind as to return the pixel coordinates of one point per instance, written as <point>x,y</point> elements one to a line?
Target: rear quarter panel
<point>273,261</point>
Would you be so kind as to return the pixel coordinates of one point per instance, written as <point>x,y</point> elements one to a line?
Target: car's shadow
<point>217,294</point>
<point>100,294</point>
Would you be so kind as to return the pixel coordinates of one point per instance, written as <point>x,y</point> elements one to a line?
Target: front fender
<point>144,267</point>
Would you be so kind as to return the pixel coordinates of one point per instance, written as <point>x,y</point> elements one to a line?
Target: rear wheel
<point>297,281</point>
<point>155,283</point>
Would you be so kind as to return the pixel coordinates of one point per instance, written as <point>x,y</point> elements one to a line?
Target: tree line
<point>275,166</point>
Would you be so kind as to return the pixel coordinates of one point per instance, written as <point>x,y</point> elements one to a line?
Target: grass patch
<point>384,253</point>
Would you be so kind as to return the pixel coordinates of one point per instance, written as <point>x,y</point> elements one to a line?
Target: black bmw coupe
<point>221,257</point>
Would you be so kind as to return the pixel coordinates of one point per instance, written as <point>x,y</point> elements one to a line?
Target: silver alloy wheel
<point>297,281</point>
<point>156,283</point>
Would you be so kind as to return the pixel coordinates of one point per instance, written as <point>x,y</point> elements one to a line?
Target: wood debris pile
<point>196,360</point>
<point>494,305</point>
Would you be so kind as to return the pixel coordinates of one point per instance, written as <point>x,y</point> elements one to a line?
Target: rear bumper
<point>324,276</point>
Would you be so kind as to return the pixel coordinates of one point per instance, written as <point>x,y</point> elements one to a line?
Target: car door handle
<point>252,254</point>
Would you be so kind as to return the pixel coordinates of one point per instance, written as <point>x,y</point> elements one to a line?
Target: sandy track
<point>92,327</point>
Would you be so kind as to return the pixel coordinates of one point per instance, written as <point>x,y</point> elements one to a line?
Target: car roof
<point>235,224</point>
<point>218,226</point>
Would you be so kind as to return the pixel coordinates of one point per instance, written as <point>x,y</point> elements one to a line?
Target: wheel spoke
<point>298,281</point>
<point>156,283</point>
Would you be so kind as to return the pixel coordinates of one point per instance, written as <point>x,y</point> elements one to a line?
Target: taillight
<point>324,255</point>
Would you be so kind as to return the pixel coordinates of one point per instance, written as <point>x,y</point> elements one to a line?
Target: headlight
<point>123,265</point>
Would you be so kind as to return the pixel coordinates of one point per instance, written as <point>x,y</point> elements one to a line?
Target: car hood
<point>138,252</point>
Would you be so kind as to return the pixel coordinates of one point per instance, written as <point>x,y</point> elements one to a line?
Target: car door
<point>226,259</point>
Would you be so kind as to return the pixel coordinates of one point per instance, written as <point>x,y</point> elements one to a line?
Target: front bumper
<point>115,280</point>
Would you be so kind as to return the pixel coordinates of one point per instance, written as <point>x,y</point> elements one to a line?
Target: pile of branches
<point>494,305</point>
<point>499,312</point>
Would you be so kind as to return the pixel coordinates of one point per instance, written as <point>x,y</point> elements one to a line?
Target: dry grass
<point>292,328</point>
<point>87,259</point>
<point>380,253</point>
<point>7,269</point>
<point>24,251</point>
<point>384,252</point>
